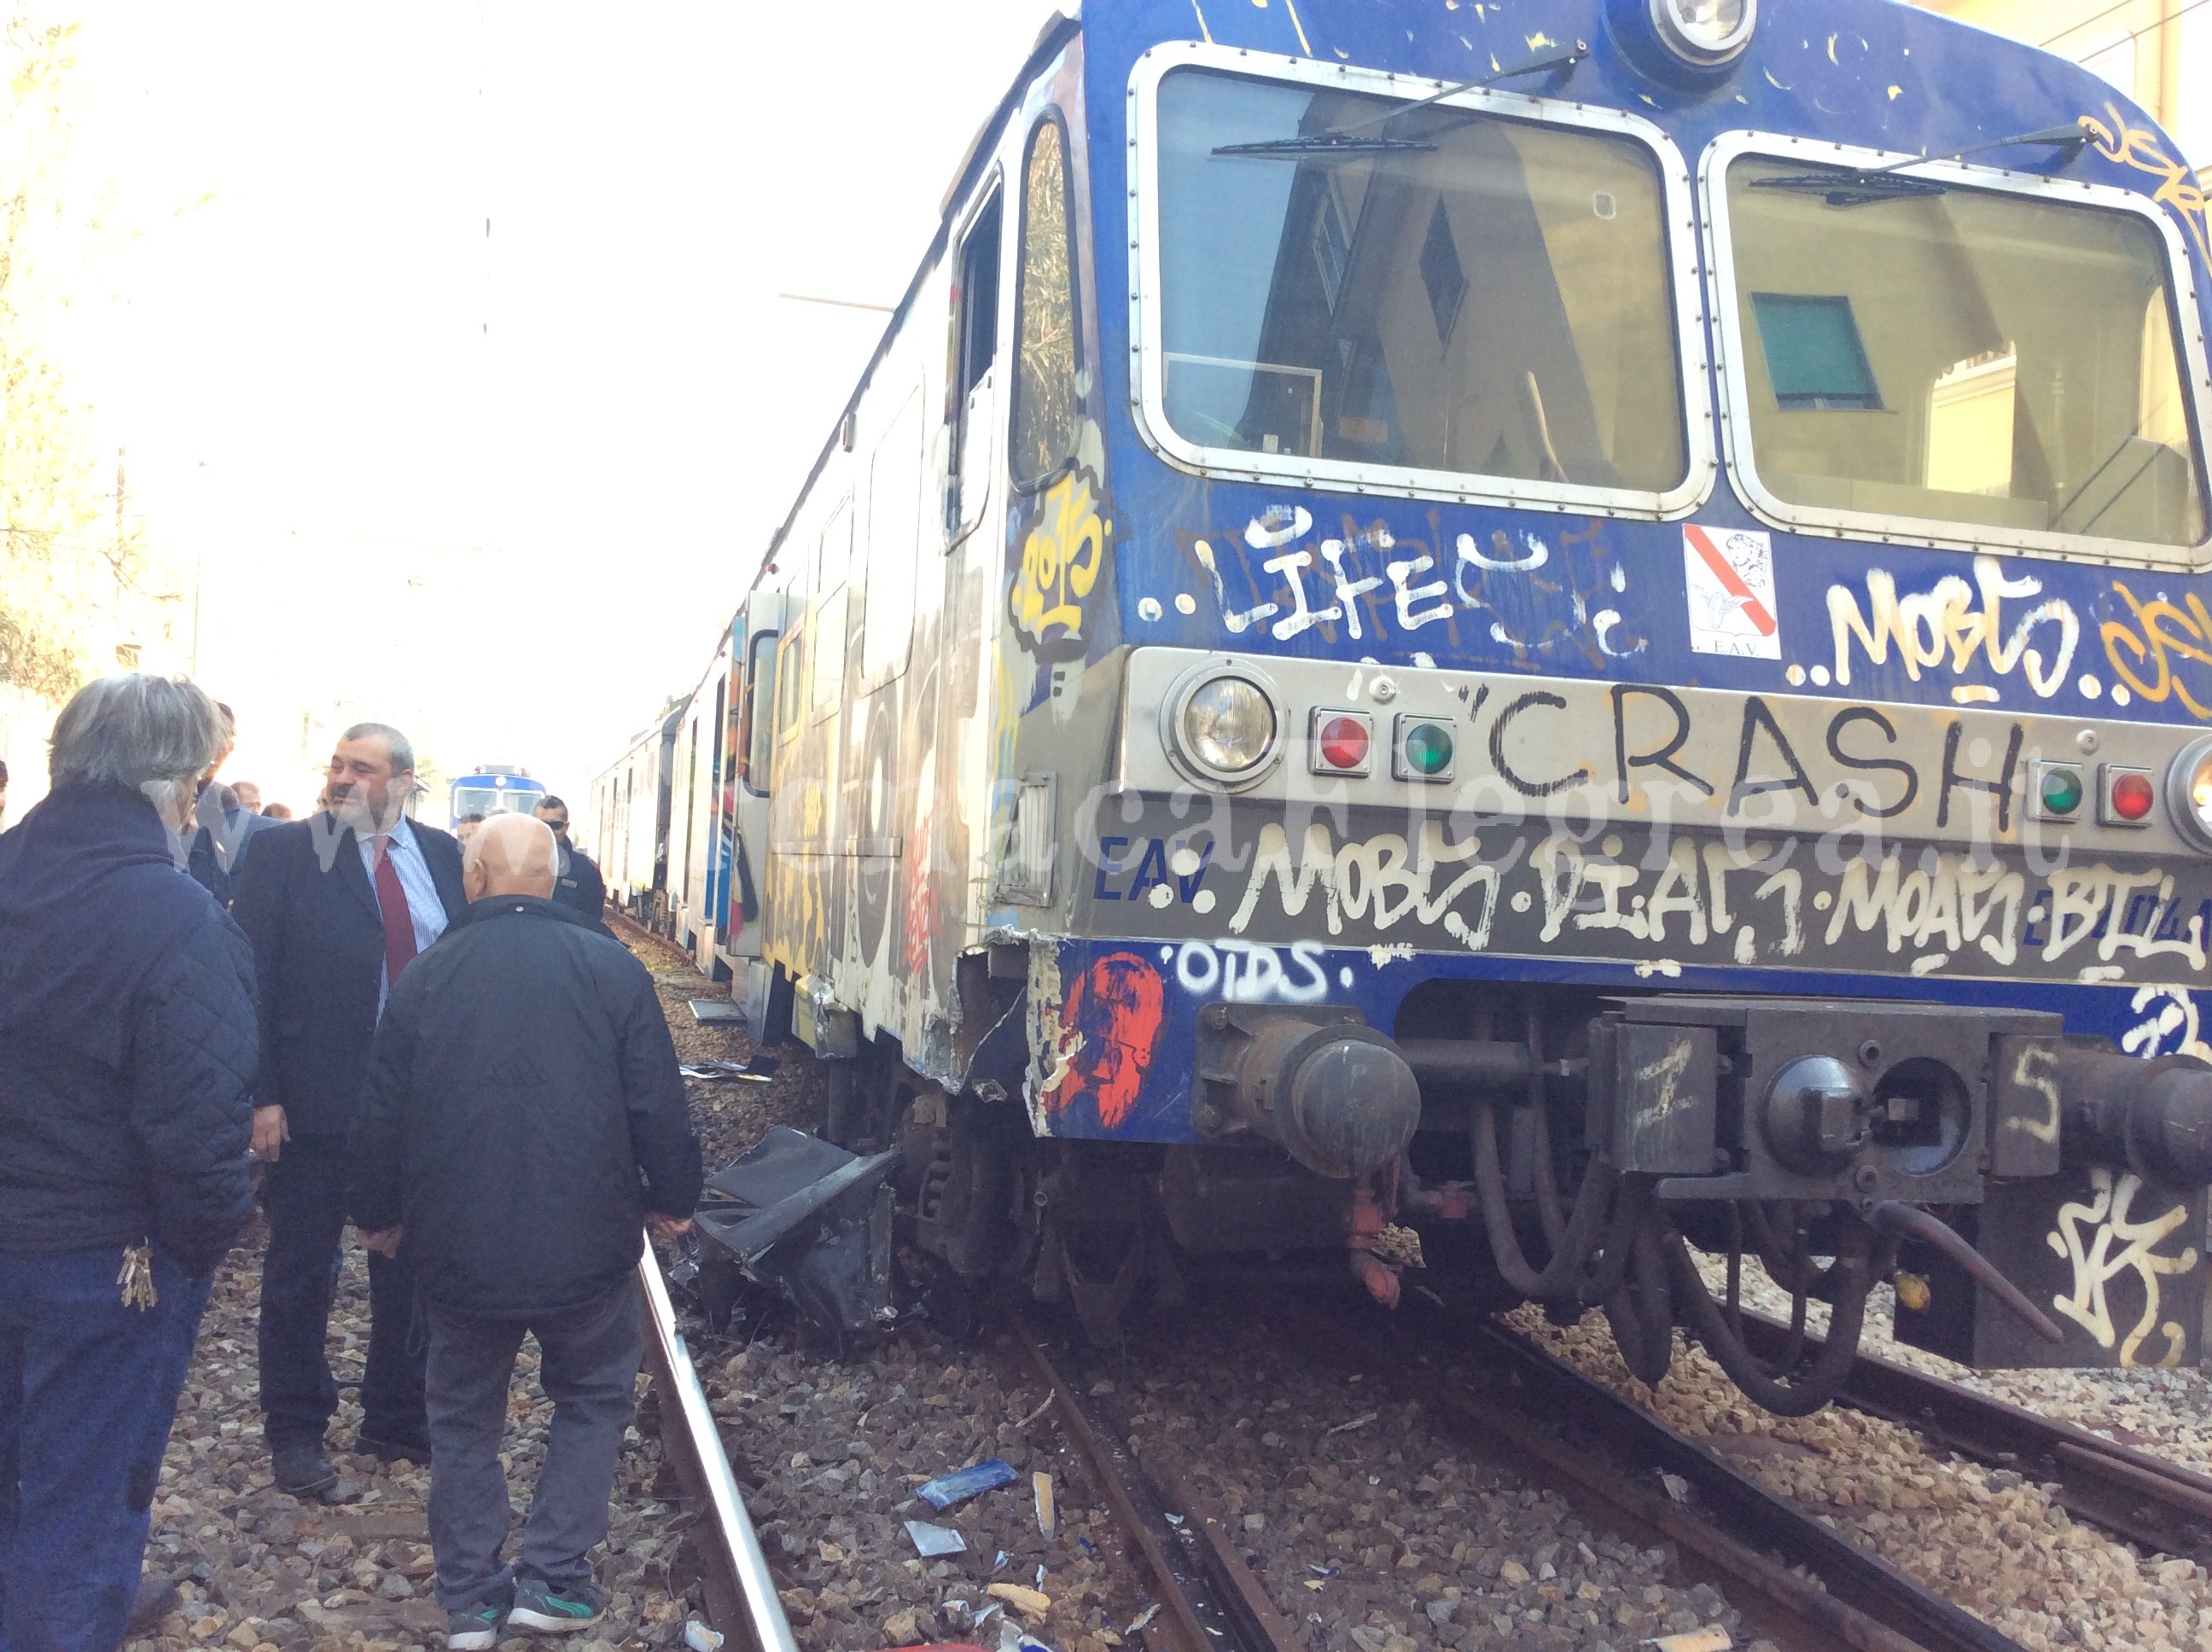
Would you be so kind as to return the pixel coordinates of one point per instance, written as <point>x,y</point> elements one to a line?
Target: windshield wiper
<point>1851,186</point>
<point>1345,140</point>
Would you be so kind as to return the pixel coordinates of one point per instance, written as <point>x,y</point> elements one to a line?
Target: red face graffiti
<point>1117,1005</point>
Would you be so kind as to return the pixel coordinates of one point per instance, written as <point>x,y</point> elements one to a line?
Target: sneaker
<point>476,1629</point>
<point>539,1605</point>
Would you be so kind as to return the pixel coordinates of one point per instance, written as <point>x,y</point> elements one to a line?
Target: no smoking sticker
<point>1728,579</point>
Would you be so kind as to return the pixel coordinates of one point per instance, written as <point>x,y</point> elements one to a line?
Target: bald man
<point>524,1119</point>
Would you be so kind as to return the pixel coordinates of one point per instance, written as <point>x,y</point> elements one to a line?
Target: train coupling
<point>1330,1091</point>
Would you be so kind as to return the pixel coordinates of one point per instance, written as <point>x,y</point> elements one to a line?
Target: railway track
<point>2131,1494</point>
<point>741,1597</point>
<point>1807,1587</point>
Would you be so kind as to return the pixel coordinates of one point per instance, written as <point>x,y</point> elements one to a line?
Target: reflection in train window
<point>1482,296</point>
<point>1046,354</point>
<point>2023,348</point>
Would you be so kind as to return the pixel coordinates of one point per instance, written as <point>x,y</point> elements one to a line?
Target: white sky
<point>500,490</point>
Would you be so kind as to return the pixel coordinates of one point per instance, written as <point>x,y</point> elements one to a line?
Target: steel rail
<point>1210,1600</point>
<point>1604,1455</point>
<point>741,1597</point>
<point>2131,1493</point>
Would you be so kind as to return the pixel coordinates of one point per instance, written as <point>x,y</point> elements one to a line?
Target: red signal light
<point>1341,742</point>
<point>2132,795</point>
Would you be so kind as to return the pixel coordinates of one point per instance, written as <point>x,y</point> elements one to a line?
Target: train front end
<point>1646,635</point>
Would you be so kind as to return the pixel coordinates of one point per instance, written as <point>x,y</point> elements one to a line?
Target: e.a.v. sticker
<point>1728,577</point>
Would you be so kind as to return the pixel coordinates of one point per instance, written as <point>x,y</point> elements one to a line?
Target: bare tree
<point>62,566</point>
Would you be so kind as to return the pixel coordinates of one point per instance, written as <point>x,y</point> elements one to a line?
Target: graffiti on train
<point>1636,898</point>
<point>2104,1239</point>
<point>1064,549</point>
<point>1956,627</point>
<point>1538,596</point>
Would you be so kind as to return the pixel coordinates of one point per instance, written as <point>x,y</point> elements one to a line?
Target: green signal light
<point>2061,791</point>
<point>1428,748</point>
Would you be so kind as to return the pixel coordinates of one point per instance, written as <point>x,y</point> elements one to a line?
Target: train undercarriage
<point>1563,1146</point>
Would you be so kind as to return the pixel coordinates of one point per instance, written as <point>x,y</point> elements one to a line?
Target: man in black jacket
<point>337,906</point>
<point>126,1050</point>
<point>577,883</point>
<point>524,1117</point>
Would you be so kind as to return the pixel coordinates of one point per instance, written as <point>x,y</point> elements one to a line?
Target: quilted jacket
<point>127,1040</point>
<point>524,1111</point>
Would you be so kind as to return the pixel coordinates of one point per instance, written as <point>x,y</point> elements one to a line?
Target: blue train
<point>1579,625</point>
<point>493,789</point>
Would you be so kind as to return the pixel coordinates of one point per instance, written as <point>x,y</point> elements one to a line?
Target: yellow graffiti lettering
<point>2138,653</point>
<point>1062,556</point>
<point>2132,146</point>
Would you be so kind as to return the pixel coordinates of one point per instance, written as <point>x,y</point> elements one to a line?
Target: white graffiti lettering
<point>2096,1264</point>
<point>1247,972</point>
<point>1380,881</point>
<point>1928,627</point>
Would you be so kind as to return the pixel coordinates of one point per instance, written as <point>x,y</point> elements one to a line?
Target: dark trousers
<point>307,1195</point>
<point>587,1366</point>
<point>88,1390</point>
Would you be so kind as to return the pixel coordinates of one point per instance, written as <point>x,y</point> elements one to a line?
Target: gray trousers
<point>588,1363</point>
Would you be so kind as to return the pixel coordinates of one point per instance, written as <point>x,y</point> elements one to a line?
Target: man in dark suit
<point>336,905</point>
<point>578,885</point>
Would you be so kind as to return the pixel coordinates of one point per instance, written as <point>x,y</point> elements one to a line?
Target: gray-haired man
<point>337,906</point>
<point>126,1043</point>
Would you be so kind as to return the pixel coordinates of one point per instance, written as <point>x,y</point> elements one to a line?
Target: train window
<point>979,299</point>
<point>826,617</point>
<point>1046,356</point>
<point>1473,296</point>
<point>756,735</point>
<point>791,686</point>
<point>894,543</point>
<point>1999,360</point>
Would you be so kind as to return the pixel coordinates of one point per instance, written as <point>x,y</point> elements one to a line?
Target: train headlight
<point>1704,33</point>
<point>2189,793</point>
<point>1222,725</point>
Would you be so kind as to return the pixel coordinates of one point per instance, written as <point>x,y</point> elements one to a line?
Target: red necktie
<point>398,924</point>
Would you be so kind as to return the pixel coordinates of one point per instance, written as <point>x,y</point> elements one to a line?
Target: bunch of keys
<point>136,1276</point>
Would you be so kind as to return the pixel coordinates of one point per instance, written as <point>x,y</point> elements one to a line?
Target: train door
<point>753,743</point>
<point>974,402</point>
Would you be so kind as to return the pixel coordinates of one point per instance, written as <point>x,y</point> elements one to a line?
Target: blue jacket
<point>127,1041</point>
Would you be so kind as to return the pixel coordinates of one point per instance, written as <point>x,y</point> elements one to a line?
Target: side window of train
<point>756,726</point>
<point>1046,356</point>
<point>828,620</point>
<point>894,514</point>
<point>975,348</point>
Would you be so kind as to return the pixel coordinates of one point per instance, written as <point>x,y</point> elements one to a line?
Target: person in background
<point>249,822</point>
<point>466,827</point>
<point>337,907</point>
<point>578,886</point>
<point>127,1045</point>
<point>220,820</point>
<point>277,811</point>
<point>524,1117</point>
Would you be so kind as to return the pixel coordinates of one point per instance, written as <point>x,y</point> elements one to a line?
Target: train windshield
<point>1965,355</point>
<point>1468,296</point>
<point>485,800</point>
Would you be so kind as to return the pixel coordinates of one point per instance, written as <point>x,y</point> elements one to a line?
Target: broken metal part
<point>812,1220</point>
